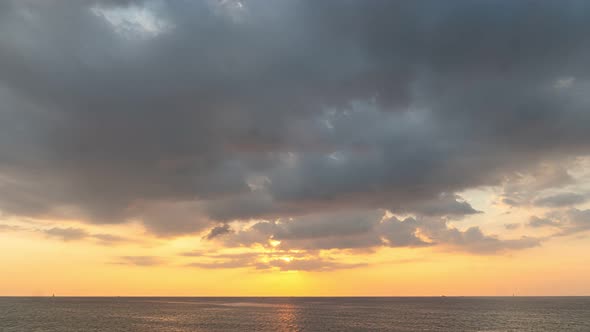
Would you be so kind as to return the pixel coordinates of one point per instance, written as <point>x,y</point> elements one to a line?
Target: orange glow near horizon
<point>41,267</point>
<point>37,264</point>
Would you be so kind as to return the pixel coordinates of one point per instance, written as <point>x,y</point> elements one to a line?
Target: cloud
<point>512,226</point>
<point>475,241</point>
<point>443,205</point>
<point>401,233</point>
<point>571,221</point>
<point>139,260</point>
<point>67,234</point>
<point>529,188</point>
<point>110,239</point>
<point>347,229</point>
<point>312,265</point>
<point>279,260</point>
<point>563,199</point>
<point>10,228</point>
<point>217,231</point>
<point>229,261</point>
<point>170,218</point>
<point>576,221</point>
<point>370,230</point>
<point>290,110</point>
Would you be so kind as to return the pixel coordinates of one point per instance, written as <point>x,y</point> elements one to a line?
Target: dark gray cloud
<point>217,231</point>
<point>443,205</point>
<point>170,218</point>
<point>560,200</point>
<point>200,112</point>
<point>347,229</point>
<point>369,230</point>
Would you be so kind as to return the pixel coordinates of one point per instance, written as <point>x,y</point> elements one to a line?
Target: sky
<point>294,147</point>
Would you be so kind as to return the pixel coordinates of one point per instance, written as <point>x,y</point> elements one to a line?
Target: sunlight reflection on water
<point>294,314</point>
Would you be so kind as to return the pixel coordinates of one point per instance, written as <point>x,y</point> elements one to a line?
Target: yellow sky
<point>34,264</point>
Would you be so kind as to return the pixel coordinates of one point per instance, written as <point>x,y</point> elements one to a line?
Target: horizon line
<point>281,296</point>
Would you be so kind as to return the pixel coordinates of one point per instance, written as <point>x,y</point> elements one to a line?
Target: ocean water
<point>295,314</point>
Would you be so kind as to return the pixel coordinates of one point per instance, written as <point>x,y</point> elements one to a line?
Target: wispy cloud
<point>10,228</point>
<point>75,234</point>
<point>279,260</point>
<point>139,260</point>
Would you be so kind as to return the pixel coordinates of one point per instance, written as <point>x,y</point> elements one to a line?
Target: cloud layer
<point>189,115</point>
<point>367,230</point>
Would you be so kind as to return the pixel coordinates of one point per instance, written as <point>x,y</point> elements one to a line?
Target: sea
<point>141,314</point>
